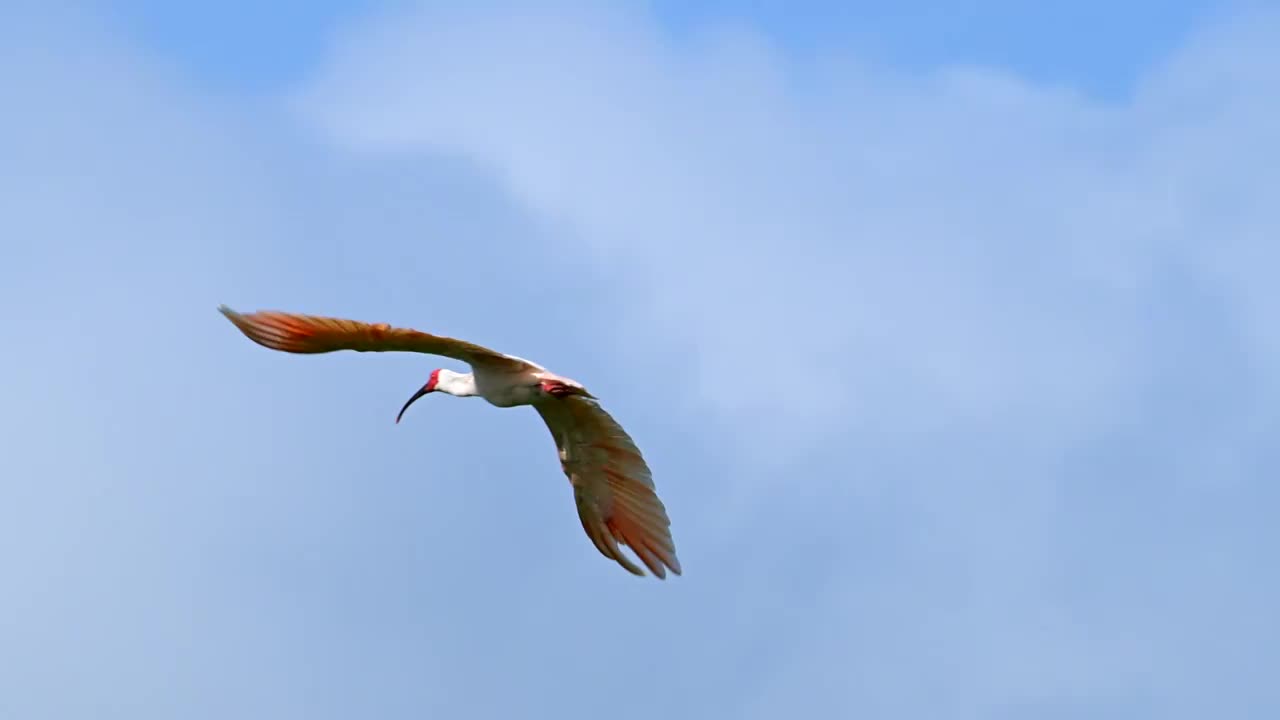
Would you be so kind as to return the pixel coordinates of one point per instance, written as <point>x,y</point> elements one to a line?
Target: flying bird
<point>612,485</point>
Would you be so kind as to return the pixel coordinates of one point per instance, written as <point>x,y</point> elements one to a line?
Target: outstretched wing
<point>612,485</point>
<point>309,334</point>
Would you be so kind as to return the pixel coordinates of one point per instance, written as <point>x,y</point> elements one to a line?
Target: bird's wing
<point>308,334</point>
<point>612,485</point>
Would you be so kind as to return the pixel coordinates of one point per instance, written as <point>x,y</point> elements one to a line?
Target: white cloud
<point>868,248</point>
<point>955,298</point>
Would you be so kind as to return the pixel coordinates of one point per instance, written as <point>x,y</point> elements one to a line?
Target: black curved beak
<point>421,391</point>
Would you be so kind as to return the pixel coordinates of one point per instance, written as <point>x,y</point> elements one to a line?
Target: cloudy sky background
<point>949,332</point>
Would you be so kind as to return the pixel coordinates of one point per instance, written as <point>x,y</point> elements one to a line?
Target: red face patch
<point>431,381</point>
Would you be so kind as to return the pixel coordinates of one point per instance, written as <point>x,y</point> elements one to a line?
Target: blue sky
<point>242,45</point>
<point>953,357</point>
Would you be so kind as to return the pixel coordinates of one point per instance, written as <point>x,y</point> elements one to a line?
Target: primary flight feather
<point>612,486</point>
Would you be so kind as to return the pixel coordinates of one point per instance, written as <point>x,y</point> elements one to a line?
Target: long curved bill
<point>425,389</point>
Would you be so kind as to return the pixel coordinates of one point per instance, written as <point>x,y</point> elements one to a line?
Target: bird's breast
<point>507,390</point>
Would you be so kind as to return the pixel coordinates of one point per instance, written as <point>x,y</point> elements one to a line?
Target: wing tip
<point>673,564</point>
<point>659,570</point>
<point>646,544</point>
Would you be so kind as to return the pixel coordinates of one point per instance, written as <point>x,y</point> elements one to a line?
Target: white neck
<point>456,384</point>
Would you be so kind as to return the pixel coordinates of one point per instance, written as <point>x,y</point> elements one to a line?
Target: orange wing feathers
<point>309,334</point>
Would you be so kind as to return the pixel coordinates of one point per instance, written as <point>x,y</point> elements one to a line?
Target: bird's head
<point>433,384</point>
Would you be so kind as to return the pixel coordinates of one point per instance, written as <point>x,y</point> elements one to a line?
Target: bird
<point>612,484</point>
